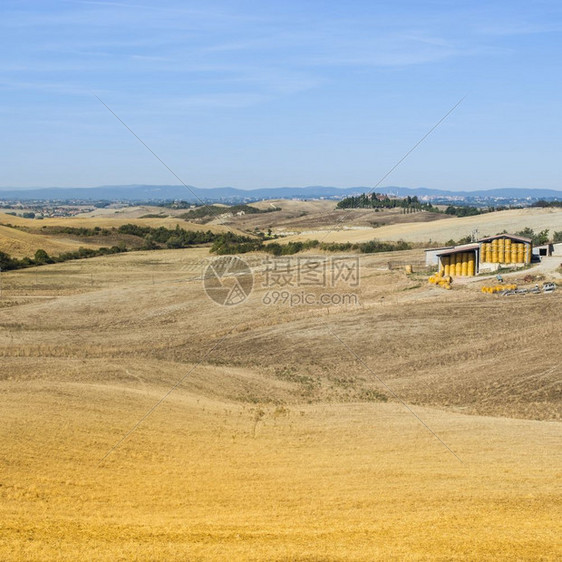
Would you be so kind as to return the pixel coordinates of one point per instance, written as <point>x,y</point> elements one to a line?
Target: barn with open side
<point>505,249</point>
<point>488,254</point>
<point>460,261</point>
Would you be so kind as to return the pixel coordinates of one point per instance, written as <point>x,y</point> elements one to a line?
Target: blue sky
<point>263,94</point>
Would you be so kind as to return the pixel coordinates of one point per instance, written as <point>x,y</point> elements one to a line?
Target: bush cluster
<point>225,245</point>
<point>42,257</point>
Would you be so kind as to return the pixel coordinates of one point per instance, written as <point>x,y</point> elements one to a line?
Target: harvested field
<point>278,443</point>
<point>445,229</point>
<point>304,216</point>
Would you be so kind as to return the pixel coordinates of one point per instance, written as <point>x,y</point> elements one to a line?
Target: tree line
<point>210,211</point>
<point>409,204</point>
<point>228,244</point>
<point>380,201</point>
<point>222,243</point>
<point>540,238</point>
<point>41,257</point>
<point>542,203</point>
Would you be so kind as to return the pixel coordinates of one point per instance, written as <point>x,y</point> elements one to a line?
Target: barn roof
<point>512,236</point>
<point>437,249</point>
<point>459,249</point>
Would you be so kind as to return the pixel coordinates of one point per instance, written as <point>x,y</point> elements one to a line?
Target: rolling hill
<point>140,420</point>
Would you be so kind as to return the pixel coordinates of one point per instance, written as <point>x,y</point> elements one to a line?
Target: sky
<point>266,94</point>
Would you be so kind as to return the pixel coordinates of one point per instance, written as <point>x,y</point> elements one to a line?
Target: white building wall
<point>431,255</point>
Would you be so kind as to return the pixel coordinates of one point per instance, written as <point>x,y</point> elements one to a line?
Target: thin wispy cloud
<point>51,87</point>
<point>219,100</point>
<point>520,28</point>
<point>166,42</point>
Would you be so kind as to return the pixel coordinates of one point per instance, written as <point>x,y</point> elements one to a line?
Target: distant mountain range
<point>179,192</point>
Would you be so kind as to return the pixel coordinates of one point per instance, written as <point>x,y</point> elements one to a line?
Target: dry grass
<point>355,482</point>
<point>279,446</point>
<point>305,216</point>
<point>445,229</point>
<point>116,219</point>
<point>19,244</point>
<point>24,243</point>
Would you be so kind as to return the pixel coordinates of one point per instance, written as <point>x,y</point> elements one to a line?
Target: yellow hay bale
<point>458,267</point>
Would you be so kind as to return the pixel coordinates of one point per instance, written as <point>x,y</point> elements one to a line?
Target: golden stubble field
<point>279,444</point>
<point>312,216</point>
<point>442,230</point>
<point>28,235</point>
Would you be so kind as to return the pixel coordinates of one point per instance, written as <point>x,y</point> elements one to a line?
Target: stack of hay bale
<point>441,280</point>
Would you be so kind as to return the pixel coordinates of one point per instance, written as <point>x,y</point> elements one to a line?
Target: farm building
<point>487,254</point>
<point>432,255</point>
<point>506,249</point>
<point>459,261</point>
<point>544,250</point>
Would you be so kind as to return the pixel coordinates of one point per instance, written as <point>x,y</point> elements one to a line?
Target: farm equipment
<point>548,287</point>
